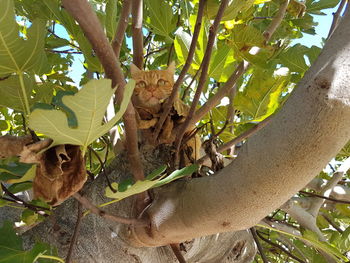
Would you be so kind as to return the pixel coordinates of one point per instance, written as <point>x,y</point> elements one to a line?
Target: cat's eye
<point>161,82</point>
<point>141,84</point>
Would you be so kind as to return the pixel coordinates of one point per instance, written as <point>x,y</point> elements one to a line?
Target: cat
<point>152,89</point>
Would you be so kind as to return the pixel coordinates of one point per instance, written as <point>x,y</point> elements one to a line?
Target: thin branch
<point>154,51</point>
<point>70,43</point>
<point>75,234</point>
<point>280,248</point>
<point>177,252</point>
<point>38,209</point>
<point>325,197</point>
<point>137,36</point>
<point>103,169</point>
<point>121,28</point>
<point>88,21</point>
<point>256,239</point>
<point>336,18</point>
<point>204,74</point>
<point>64,51</point>
<point>189,85</point>
<point>95,210</point>
<point>184,70</point>
<point>239,138</point>
<point>333,224</point>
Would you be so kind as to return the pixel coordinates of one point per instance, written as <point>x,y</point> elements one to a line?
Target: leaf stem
<point>48,257</point>
<point>23,89</point>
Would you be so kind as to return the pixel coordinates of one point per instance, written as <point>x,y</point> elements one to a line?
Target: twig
<point>204,74</point>
<point>256,239</point>
<point>280,247</point>
<point>137,36</point>
<point>333,224</point>
<point>189,85</point>
<point>70,43</point>
<point>184,70</point>
<point>121,28</point>
<point>177,252</point>
<point>75,234</point>
<point>336,17</point>
<point>16,199</point>
<point>64,51</point>
<point>154,51</point>
<point>95,210</point>
<point>103,169</point>
<point>90,24</point>
<point>325,197</point>
<point>239,138</point>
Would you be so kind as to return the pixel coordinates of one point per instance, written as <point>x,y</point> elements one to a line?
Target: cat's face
<point>152,87</point>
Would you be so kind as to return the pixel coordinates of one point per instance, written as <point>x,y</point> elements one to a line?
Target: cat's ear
<point>134,70</point>
<point>171,68</point>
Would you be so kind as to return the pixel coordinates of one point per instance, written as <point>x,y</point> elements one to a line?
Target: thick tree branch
<point>121,28</point>
<point>137,36</point>
<point>275,163</point>
<point>204,74</point>
<point>184,70</point>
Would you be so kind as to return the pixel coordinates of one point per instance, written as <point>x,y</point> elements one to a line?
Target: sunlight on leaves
<point>89,105</point>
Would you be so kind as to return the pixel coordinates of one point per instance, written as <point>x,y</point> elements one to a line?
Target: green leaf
<point>17,54</point>
<point>14,95</point>
<point>261,96</point>
<point>231,11</point>
<point>20,187</point>
<point>89,105</point>
<point>29,217</point>
<point>156,172</point>
<point>310,237</point>
<point>160,18</point>
<point>11,250</point>
<point>28,176</point>
<point>141,186</point>
<point>4,125</point>
<point>315,7</point>
<point>111,18</point>
<point>293,58</point>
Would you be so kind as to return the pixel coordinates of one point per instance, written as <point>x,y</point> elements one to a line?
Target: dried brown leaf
<point>60,173</point>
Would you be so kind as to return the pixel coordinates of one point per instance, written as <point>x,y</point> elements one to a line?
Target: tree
<point>242,50</point>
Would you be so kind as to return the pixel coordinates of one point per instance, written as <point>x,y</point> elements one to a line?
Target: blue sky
<point>322,29</point>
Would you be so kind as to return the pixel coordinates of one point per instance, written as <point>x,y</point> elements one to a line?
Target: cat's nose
<point>152,88</point>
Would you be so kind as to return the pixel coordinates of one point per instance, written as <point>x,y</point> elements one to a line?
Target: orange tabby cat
<point>152,89</point>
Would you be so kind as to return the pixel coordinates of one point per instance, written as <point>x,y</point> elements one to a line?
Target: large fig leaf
<point>15,95</point>
<point>89,105</point>
<point>17,54</point>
